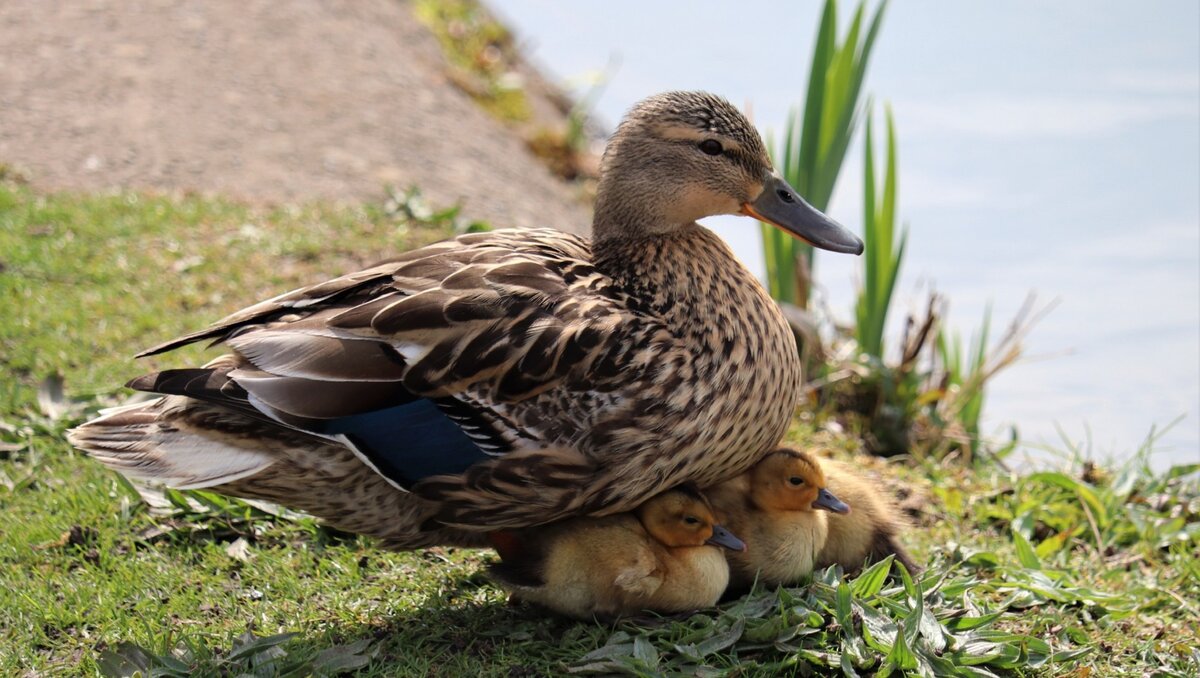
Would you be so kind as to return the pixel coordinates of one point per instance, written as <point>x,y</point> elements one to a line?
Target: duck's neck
<point>628,207</point>
<point>624,220</point>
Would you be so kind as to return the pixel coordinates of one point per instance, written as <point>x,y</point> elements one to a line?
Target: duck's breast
<point>695,577</point>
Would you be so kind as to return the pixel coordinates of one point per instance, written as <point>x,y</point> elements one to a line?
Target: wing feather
<point>317,357</point>
<point>506,315</point>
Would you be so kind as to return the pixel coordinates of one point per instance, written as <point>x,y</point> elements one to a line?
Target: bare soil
<point>260,101</point>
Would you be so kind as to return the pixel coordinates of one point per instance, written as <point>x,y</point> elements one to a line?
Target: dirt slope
<point>263,101</point>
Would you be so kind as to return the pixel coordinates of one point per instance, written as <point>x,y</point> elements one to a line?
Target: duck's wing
<point>417,362</point>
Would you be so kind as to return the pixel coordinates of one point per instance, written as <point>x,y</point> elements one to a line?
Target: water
<point>1043,148</point>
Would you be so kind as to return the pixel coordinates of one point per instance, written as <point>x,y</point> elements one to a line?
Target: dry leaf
<point>239,549</point>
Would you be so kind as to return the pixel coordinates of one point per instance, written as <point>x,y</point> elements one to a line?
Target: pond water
<point>1045,148</point>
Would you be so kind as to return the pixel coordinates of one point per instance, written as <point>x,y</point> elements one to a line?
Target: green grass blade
<point>1079,488</point>
<point>864,53</point>
<point>871,581</point>
<point>837,91</point>
<point>882,256</point>
<point>1025,553</point>
<point>822,56</point>
<point>888,215</point>
<point>870,241</point>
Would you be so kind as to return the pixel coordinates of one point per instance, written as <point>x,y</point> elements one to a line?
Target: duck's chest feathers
<point>729,391</point>
<point>693,284</point>
<point>792,542</point>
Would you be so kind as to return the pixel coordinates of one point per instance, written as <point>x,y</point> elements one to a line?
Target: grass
<point>1083,572</point>
<point>481,54</point>
<point>87,281</point>
<point>966,376</point>
<point>483,61</point>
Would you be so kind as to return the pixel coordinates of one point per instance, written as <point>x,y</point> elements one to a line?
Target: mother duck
<point>504,379</point>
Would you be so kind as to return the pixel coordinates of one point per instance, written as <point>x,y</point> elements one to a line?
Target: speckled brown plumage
<point>590,374</point>
<point>697,402</point>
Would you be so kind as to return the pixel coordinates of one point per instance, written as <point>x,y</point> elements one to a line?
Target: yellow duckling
<point>868,534</point>
<point>662,557</point>
<point>778,507</point>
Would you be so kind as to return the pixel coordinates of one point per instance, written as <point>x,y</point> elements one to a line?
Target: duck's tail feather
<point>145,442</point>
<point>190,444</point>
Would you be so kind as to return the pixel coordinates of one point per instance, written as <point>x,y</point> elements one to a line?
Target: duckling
<point>867,534</point>
<point>662,557</point>
<point>779,507</point>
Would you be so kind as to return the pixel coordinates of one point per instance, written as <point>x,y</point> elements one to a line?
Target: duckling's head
<point>683,517</point>
<point>681,156</point>
<point>790,480</point>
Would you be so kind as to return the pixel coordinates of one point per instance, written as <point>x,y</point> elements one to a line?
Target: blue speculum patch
<point>410,441</point>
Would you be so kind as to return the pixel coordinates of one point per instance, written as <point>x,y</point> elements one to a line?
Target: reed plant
<point>964,374</point>
<point>882,253</point>
<point>815,140</point>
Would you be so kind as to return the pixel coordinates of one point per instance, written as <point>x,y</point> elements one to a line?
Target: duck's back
<point>671,364</point>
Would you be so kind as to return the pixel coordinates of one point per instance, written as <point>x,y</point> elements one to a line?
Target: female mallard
<point>505,379</point>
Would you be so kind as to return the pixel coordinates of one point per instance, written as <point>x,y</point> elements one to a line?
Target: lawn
<point>1090,570</point>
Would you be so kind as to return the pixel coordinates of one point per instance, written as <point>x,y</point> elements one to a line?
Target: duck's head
<point>789,480</point>
<point>683,517</point>
<point>681,156</point>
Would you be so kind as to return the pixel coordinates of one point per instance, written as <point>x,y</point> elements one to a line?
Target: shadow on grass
<point>462,630</point>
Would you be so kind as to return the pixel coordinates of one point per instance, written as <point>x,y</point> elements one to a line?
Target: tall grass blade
<point>813,147</point>
<point>883,255</point>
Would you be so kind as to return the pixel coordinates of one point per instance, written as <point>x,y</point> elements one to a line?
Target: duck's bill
<point>826,500</point>
<point>723,537</point>
<point>782,206</point>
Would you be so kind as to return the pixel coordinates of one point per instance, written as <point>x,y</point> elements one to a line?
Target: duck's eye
<point>691,520</point>
<point>711,147</point>
<point>796,481</point>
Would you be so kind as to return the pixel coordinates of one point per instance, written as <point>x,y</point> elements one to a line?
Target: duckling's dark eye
<point>796,480</point>
<point>711,147</point>
<point>691,520</point>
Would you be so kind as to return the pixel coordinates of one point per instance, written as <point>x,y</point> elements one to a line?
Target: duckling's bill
<point>781,205</point>
<point>826,500</point>
<point>723,537</point>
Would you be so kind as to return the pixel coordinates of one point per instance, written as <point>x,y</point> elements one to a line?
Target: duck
<point>869,533</point>
<point>504,379</point>
<point>663,557</point>
<point>780,507</point>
